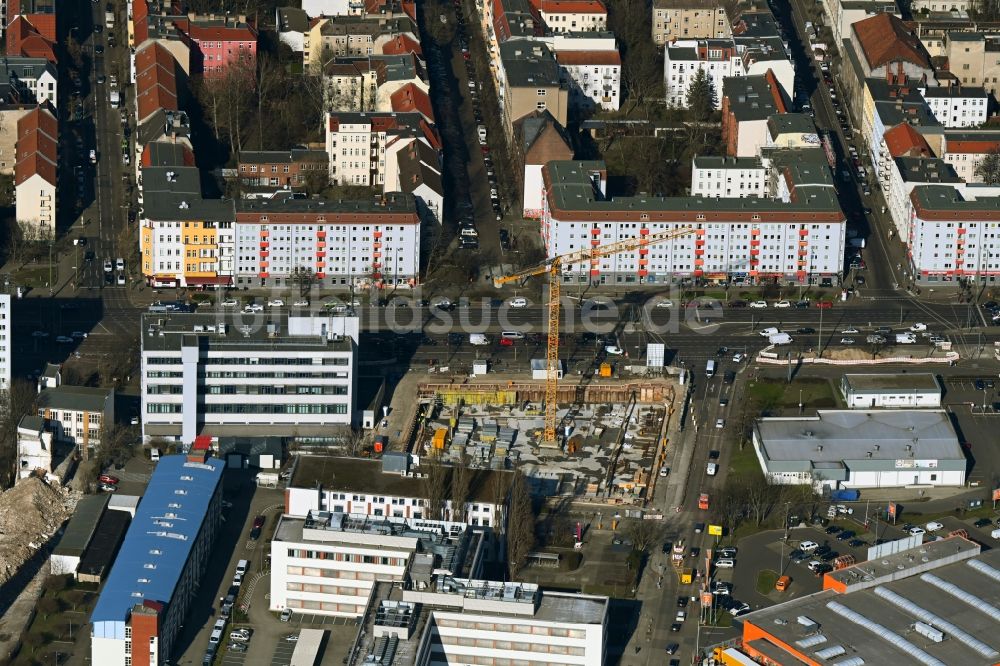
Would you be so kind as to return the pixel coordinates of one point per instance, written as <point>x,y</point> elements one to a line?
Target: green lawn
<point>743,462</point>
<point>766,578</point>
<point>35,277</point>
<point>775,394</point>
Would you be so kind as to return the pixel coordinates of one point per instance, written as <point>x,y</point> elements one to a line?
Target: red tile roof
<point>973,147</point>
<point>903,140</point>
<point>401,45</point>
<point>605,57</point>
<point>139,13</point>
<point>147,155</point>
<point>572,6</point>
<point>24,40</point>
<point>155,80</point>
<point>412,98</point>
<point>45,24</point>
<point>221,33</point>
<point>884,39</point>
<point>37,135</point>
<point>772,83</point>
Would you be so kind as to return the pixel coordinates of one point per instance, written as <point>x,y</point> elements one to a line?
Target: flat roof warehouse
<point>158,543</point>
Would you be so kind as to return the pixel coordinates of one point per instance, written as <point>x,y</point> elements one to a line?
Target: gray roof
<point>178,330</point>
<point>74,398</point>
<point>81,525</point>
<point>943,197</point>
<point>750,97</point>
<point>881,631</point>
<point>415,170</point>
<point>788,123</point>
<point>163,122</point>
<point>857,438</point>
<point>51,370</point>
<point>720,162</point>
<point>955,91</point>
<point>292,19</point>
<point>529,64</point>
<point>926,170</point>
<point>390,202</point>
<point>32,423</point>
<point>572,190</point>
<point>174,193</point>
<point>916,381</point>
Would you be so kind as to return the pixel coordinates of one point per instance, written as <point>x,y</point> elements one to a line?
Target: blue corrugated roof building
<point>182,499</point>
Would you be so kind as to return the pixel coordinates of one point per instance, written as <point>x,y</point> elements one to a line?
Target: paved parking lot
<point>282,653</point>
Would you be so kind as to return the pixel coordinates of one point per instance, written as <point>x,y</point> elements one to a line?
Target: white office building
<point>389,488</point>
<point>418,593</point>
<point>860,448</point>
<point>329,563</point>
<point>957,106</point>
<point>251,375</point>
<point>743,240</point>
<point>683,59</point>
<point>896,391</point>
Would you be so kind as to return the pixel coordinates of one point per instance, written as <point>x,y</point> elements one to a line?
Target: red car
<point>506,342</point>
<point>824,305</point>
<point>107,478</point>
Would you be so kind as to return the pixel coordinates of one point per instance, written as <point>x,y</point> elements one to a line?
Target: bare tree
<point>19,401</point>
<point>520,526</point>
<point>304,278</point>
<point>461,484</point>
<point>988,169</point>
<point>644,534</point>
<point>436,488</point>
<point>729,506</point>
<point>760,496</point>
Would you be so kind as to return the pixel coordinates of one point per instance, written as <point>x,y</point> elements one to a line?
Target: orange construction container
<point>605,370</point>
<point>440,435</point>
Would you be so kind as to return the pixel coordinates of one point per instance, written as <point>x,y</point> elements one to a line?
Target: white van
<point>512,335</point>
<point>216,637</point>
<point>478,339</point>
<point>154,455</point>
<point>710,369</point>
<point>711,469</point>
<point>241,567</point>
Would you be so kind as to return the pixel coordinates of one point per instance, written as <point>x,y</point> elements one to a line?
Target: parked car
<point>286,615</point>
<point>725,563</point>
<point>258,526</point>
<point>933,526</point>
<point>109,479</point>
<point>759,304</point>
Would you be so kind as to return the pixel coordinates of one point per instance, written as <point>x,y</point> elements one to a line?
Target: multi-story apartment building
<point>352,36</point>
<point>795,239</point>
<point>145,601</point>
<point>953,233</point>
<point>155,81</point>
<point>184,239</point>
<point>288,376</point>
<point>689,19</point>
<point>219,45</point>
<point>351,83</point>
<point>974,58</point>
<point>286,169</point>
<point>573,15</point>
<point>957,106</point>
<point>728,177</point>
<point>591,70</point>
<point>333,7</point>
<point>357,243</point>
<point>29,80</point>
<point>842,14</point>
<point>6,334</point>
<point>530,81</point>
<point>753,51</point>
<point>390,488</point>
<point>360,144</point>
<point>329,563</point>
<point>35,173</point>
<point>76,414</point>
<point>965,150</point>
<point>748,102</point>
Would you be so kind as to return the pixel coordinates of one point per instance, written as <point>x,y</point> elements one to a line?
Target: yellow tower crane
<point>553,267</point>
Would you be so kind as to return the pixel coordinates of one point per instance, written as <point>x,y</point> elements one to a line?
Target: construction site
<point>610,441</point>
